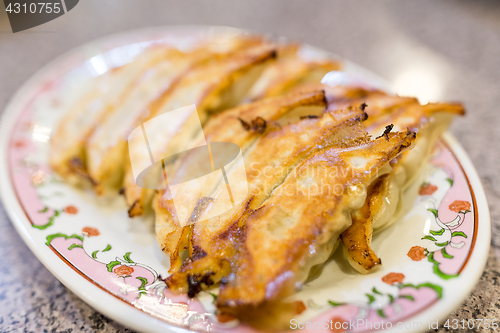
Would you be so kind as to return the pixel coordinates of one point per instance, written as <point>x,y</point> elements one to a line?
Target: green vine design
<point>436,264</point>
<point>50,238</point>
<point>94,254</point>
<point>443,245</point>
<point>142,288</point>
<point>372,295</point>
<point>56,214</point>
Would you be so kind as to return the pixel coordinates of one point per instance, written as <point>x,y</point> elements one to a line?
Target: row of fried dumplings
<point>295,132</point>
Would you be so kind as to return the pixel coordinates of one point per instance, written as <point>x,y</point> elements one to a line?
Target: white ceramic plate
<point>432,257</point>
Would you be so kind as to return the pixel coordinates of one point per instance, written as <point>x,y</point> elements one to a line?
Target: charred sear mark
<point>409,134</point>
<point>193,286</point>
<point>362,117</point>
<point>324,99</point>
<point>309,117</point>
<point>198,253</point>
<point>199,209</point>
<point>363,106</point>
<point>77,163</point>
<point>133,207</point>
<point>245,125</point>
<point>232,231</point>
<point>77,166</point>
<point>259,125</point>
<point>413,134</point>
<point>387,130</point>
<point>196,282</point>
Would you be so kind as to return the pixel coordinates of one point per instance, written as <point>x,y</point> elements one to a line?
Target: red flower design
<point>336,324</point>
<point>88,231</point>
<point>427,189</point>
<point>123,270</point>
<point>416,253</point>
<point>458,206</point>
<point>19,144</point>
<point>72,210</point>
<point>393,278</point>
<point>299,307</point>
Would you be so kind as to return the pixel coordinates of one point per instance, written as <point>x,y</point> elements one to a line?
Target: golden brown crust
<point>260,248</point>
<point>234,132</point>
<point>96,104</point>
<point>275,244</point>
<point>270,161</point>
<point>209,87</point>
<point>357,238</point>
<point>289,71</point>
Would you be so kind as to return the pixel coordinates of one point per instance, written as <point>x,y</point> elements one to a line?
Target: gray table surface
<point>454,45</point>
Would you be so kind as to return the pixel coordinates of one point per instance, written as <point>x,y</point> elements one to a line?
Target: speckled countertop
<point>436,49</point>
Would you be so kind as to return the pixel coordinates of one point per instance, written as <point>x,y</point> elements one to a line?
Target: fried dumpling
<point>124,96</point>
<point>383,205</point>
<point>295,222</point>
<point>314,177</point>
<point>105,149</point>
<point>375,102</point>
<point>107,92</point>
<point>171,235</point>
<point>212,87</point>
<point>291,69</point>
<point>269,161</point>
